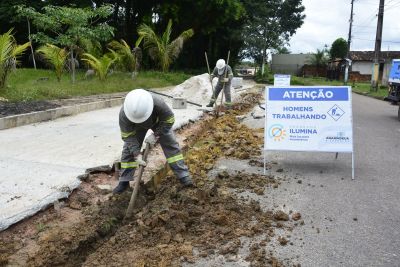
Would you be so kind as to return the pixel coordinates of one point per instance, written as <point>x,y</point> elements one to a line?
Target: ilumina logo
<point>277,132</point>
<point>303,131</point>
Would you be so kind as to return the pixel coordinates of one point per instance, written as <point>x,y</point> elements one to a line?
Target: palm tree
<point>162,49</point>
<point>9,53</point>
<point>55,56</point>
<point>318,59</point>
<point>126,57</point>
<point>101,65</point>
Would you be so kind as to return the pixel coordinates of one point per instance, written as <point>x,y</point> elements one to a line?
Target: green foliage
<point>217,24</point>
<point>92,47</point>
<point>282,50</point>
<point>40,227</point>
<point>66,26</point>
<point>126,59</point>
<point>318,58</point>
<point>55,56</point>
<point>269,25</point>
<point>160,48</point>
<point>26,84</point>
<point>338,49</point>
<point>9,53</point>
<point>108,225</point>
<point>102,64</point>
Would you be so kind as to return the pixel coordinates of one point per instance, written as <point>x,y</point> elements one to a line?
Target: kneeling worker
<point>225,75</point>
<point>143,111</point>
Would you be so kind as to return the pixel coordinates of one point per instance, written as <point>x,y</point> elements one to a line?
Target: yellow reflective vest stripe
<point>170,120</point>
<point>127,134</point>
<point>128,165</point>
<point>175,158</point>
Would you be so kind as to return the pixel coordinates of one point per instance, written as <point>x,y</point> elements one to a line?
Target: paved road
<point>347,223</point>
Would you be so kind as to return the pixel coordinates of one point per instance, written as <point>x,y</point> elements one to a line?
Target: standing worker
<point>143,111</point>
<point>225,75</point>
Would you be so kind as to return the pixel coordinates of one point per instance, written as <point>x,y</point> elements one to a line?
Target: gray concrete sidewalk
<point>39,163</point>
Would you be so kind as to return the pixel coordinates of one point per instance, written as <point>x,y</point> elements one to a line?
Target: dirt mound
<point>13,108</point>
<point>167,229</point>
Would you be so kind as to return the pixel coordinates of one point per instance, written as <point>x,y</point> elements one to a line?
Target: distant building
<point>361,69</point>
<point>289,63</point>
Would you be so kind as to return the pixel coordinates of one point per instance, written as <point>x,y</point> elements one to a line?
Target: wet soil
<point>14,108</point>
<point>171,226</point>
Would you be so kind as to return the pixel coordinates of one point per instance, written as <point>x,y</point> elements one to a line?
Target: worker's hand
<point>211,78</point>
<point>226,80</point>
<point>140,161</point>
<point>151,140</point>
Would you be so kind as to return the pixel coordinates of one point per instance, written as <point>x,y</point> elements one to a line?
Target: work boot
<point>210,105</point>
<point>121,187</point>
<point>187,181</point>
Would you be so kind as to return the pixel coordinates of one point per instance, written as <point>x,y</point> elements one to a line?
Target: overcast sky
<point>327,20</point>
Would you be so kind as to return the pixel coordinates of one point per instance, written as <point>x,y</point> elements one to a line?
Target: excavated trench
<point>171,226</point>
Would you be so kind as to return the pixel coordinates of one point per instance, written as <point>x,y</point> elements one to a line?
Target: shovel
<point>175,98</point>
<point>137,184</point>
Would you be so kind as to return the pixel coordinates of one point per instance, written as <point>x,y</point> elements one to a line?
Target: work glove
<point>225,80</point>
<point>151,140</point>
<point>140,161</point>
<point>211,78</point>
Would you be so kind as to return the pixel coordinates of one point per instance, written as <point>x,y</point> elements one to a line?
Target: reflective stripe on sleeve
<point>175,158</point>
<point>170,119</point>
<point>129,165</point>
<point>127,134</point>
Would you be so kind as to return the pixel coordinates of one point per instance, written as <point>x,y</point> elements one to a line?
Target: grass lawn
<point>27,84</point>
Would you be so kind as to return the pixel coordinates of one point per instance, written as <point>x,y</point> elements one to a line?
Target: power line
<point>390,8</point>
<point>361,26</point>
<point>395,42</point>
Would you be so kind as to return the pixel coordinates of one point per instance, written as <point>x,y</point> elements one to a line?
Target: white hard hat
<point>220,64</point>
<point>138,105</point>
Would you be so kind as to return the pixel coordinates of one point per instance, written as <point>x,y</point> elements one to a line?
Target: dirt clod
<point>296,216</point>
<point>282,240</point>
<point>281,216</point>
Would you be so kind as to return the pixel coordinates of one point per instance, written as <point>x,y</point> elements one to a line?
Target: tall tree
<point>282,50</point>
<point>65,26</point>
<point>270,24</point>
<point>338,49</point>
<point>217,23</point>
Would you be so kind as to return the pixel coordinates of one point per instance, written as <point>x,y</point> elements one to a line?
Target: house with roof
<point>361,69</point>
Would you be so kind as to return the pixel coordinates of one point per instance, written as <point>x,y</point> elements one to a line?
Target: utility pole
<point>378,43</point>
<point>348,60</point>
<point>350,27</point>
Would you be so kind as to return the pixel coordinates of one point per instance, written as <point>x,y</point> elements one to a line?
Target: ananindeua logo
<point>277,132</point>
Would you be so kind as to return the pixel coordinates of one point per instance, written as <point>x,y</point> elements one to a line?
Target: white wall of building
<point>364,67</point>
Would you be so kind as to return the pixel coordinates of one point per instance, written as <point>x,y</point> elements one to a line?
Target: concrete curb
<point>52,114</point>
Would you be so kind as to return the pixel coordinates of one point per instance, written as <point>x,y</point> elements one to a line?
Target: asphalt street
<point>347,222</point>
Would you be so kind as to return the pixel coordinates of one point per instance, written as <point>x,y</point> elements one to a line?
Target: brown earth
<point>14,108</point>
<point>168,226</point>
